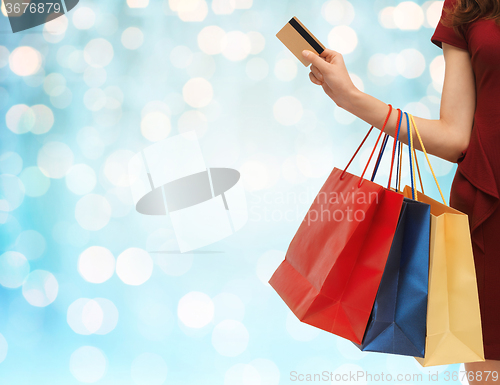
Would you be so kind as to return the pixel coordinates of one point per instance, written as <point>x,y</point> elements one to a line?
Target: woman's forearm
<point>436,134</point>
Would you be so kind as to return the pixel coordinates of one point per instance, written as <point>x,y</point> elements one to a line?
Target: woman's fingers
<point>329,55</point>
<point>314,79</point>
<point>328,52</point>
<point>317,73</point>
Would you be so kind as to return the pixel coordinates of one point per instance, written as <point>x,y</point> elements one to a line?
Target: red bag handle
<point>373,151</point>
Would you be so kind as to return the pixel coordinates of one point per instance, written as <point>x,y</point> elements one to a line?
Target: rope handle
<point>398,174</point>
<point>410,149</point>
<point>418,170</point>
<point>400,116</point>
<point>380,155</point>
<point>371,155</point>
<point>427,157</point>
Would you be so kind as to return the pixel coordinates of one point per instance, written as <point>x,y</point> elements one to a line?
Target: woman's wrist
<point>350,100</point>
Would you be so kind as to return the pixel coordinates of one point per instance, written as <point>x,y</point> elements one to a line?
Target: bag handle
<point>371,155</point>
<point>379,157</point>
<point>400,116</point>
<point>412,164</point>
<point>427,157</point>
<point>418,170</point>
<point>410,149</point>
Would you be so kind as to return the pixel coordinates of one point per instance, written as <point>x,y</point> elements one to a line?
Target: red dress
<point>475,187</point>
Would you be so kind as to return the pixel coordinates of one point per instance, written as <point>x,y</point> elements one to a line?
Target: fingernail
<point>305,53</point>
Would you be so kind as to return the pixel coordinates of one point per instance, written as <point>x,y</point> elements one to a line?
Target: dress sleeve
<point>444,34</point>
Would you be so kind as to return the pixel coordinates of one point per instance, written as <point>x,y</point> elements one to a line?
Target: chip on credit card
<point>296,37</point>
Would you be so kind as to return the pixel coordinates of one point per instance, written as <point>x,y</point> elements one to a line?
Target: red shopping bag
<point>334,264</point>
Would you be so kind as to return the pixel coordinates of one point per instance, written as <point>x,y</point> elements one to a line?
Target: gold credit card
<point>296,37</point>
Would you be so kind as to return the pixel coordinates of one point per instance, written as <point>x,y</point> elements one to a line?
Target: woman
<point>467,133</point>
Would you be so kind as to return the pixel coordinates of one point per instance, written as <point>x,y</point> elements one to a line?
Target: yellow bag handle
<point>418,170</point>
<point>426,156</point>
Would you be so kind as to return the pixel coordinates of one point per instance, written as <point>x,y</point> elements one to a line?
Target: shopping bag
<point>333,266</point>
<point>454,333</point>
<point>398,321</point>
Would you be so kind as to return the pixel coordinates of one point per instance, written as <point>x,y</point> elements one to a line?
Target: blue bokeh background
<point>97,73</point>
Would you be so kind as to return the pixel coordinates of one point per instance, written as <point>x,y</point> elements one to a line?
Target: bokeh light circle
<point>343,39</point>
<point>25,61</point>
<point>230,338</point>
<point>210,39</point>
<point>93,212</point>
<point>132,38</point>
<point>410,63</point>
<point>433,13</point>
<point>255,175</point>
<point>193,120</point>
<point>96,264</point>
<point>10,163</point>
<point>40,288</point>
<point>116,168</point>
<point>236,45</point>
<point>134,266</point>
<point>386,18</point>
<point>20,119</point>
<point>242,374</point>
<point>84,316</point>
<point>338,12</point>
<point>35,182</point>
<point>81,179</point>
<point>190,10</point>
<point>12,192</point>
<point>285,70</point>
<point>88,364</point>
<point>98,52</point>
<point>110,318</point>
<point>437,68</point>
<point>257,42</point>
<point>268,371</point>
<point>92,316</point>
<point>408,15</point>
<point>55,159</point>
<point>44,119</point>
<point>223,7</point>
<point>31,244</point>
<point>197,92</point>
<point>83,18</point>
<point>155,126</point>
<point>14,269</point>
<point>195,309</point>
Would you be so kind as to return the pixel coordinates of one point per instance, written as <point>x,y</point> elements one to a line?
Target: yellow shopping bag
<point>454,333</point>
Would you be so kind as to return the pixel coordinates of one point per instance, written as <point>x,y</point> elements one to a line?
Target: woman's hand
<point>329,71</point>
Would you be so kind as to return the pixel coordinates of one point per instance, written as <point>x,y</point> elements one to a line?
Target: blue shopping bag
<point>397,323</point>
